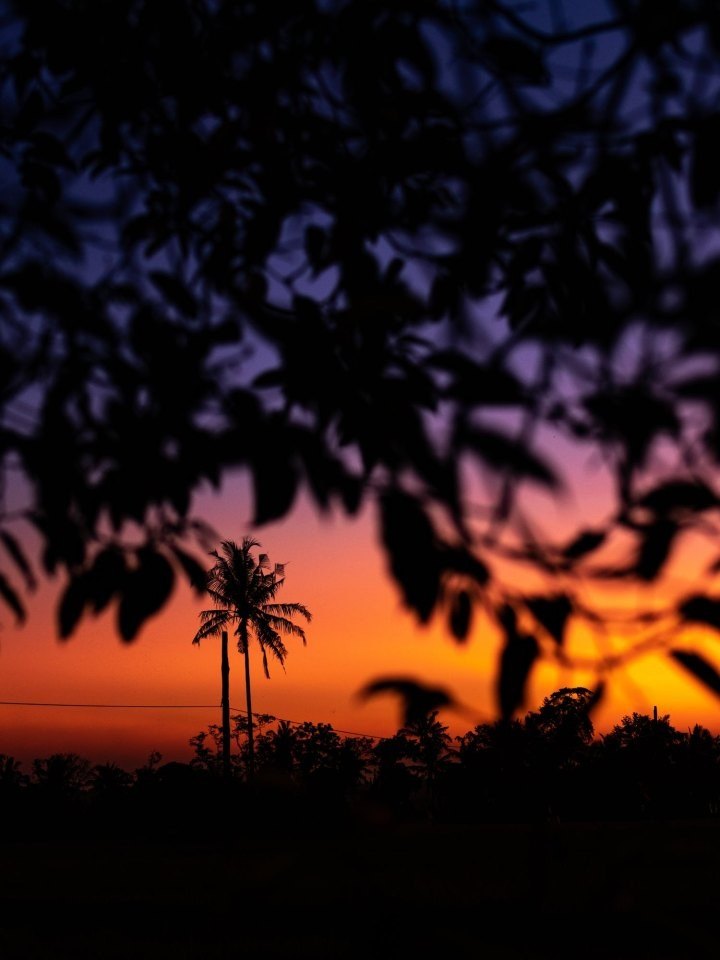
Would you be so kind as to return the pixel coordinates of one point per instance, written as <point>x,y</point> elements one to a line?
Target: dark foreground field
<point>616,891</point>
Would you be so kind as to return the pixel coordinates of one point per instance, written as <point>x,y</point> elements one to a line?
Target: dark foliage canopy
<point>539,769</point>
<point>392,250</point>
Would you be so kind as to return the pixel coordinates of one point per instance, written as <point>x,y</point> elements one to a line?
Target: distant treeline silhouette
<point>547,766</point>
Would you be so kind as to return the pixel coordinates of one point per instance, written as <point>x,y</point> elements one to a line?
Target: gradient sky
<point>360,631</point>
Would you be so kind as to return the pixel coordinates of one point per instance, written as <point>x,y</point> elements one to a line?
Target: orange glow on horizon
<point>359,632</point>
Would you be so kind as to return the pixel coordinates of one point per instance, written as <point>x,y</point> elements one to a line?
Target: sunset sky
<point>360,631</point>
<point>335,565</point>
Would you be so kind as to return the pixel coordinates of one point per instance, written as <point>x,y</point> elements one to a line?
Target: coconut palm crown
<point>243,590</point>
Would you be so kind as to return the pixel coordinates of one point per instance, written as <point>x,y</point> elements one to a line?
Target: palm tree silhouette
<point>243,590</point>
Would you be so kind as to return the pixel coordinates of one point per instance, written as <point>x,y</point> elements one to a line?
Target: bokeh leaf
<point>11,598</point>
<point>461,615</point>
<point>699,667</point>
<point>409,538</point>
<point>700,609</point>
<point>144,592</point>
<point>552,613</point>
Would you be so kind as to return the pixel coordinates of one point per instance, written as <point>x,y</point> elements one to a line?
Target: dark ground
<point>635,891</point>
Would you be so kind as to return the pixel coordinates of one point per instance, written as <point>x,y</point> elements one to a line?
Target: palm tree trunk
<point>248,702</point>
<point>225,675</point>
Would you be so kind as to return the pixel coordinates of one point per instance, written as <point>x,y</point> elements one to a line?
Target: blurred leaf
<point>17,553</point>
<point>105,578</point>
<point>656,544</point>
<point>275,483</point>
<point>270,379</point>
<point>705,386</point>
<point>516,661</point>
<point>49,150</point>
<point>700,609</point>
<point>444,296</point>
<point>351,493</point>
<point>144,592</point>
<point>668,498</point>
<point>705,166</point>
<point>585,542</point>
<point>315,246</point>
<point>461,615</point>
<point>417,699</point>
<point>176,292</point>
<point>552,613</point>
<point>409,538</point>
<point>479,384</point>
<point>42,180</point>
<point>11,598</point>
<point>463,561</point>
<point>72,606</point>
<point>597,696</point>
<point>194,571</point>
<point>515,59</point>
<point>633,415</point>
<point>699,667</point>
<point>505,453</point>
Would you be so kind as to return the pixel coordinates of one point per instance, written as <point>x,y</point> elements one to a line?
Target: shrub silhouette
<point>507,771</point>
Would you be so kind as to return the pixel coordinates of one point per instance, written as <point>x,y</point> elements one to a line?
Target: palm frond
<point>219,594</point>
<point>206,615</point>
<point>270,639</point>
<point>288,610</point>
<point>243,591</point>
<point>283,625</point>
<point>212,625</point>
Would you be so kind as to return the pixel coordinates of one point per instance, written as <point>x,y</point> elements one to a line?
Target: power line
<point>175,706</point>
<point>299,723</point>
<point>113,706</point>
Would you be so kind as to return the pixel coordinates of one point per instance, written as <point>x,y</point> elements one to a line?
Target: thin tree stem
<point>225,675</point>
<point>248,702</point>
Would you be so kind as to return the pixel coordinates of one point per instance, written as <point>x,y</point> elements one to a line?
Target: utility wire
<point>113,706</point>
<point>174,706</point>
